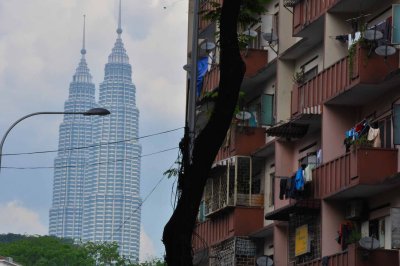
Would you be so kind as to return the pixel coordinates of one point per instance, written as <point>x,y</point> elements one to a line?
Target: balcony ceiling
<point>265,232</point>
<point>358,6</point>
<point>366,191</point>
<point>253,86</point>
<point>265,151</point>
<point>300,206</point>
<point>299,49</point>
<point>297,127</point>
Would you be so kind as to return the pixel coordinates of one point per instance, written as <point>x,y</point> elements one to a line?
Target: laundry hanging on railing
<point>363,133</point>
<point>375,137</point>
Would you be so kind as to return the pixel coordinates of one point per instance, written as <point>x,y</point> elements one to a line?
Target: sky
<point>40,42</point>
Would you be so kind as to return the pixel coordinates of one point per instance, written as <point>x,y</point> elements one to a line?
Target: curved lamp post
<point>93,111</point>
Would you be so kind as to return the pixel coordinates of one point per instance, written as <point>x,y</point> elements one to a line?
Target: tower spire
<point>83,50</point>
<point>119,29</point>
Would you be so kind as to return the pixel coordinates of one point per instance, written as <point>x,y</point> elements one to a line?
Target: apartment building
<point>309,171</point>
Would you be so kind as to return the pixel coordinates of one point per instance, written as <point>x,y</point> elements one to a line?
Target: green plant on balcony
<point>354,236</point>
<point>362,142</point>
<point>299,77</point>
<point>364,44</point>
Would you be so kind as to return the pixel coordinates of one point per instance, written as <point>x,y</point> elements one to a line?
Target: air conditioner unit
<point>354,210</point>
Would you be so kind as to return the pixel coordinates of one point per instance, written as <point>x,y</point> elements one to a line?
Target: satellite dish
<point>243,115</point>
<point>264,261</point>
<point>251,33</point>
<point>385,50</point>
<point>270,37</point>
<point>373,35</point>
<point>369,243</point>
<point>207,46</point>
<point>187,67</point>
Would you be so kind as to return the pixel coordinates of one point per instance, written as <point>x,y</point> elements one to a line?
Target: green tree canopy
<point>45,250</point>
<point>53,251</point>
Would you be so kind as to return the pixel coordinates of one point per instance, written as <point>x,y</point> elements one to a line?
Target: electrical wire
<point>93,145</point>
<point>81,165</point>
<point>140,205</point>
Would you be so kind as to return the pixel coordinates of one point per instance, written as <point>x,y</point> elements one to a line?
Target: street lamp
<point>93,111</point>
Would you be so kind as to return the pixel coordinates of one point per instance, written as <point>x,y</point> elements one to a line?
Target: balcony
<point>256,60</point>
<point>357,174</point>
<point>206,5</point>
<point>241,140</point>
<point>233,186</point>
<point>239,222</point>
<point>369,78</point>
<point>307,15</point>
<point>353,256</point>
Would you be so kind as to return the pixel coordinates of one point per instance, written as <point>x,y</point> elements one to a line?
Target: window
<point>255,42</point>
<point>385,131</point>
<point>310,74</point>
<point>377,230</point>
<point>271,189</point>
<point>267,109</point>
<point>396,124</point>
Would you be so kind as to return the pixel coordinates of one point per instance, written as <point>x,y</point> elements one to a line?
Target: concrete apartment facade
<point>310,165</point>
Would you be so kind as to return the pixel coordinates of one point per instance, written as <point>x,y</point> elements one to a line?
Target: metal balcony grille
<point>235,186</point>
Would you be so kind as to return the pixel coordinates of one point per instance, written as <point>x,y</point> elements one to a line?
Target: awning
<point>296,127</point>
<point>299,206</point>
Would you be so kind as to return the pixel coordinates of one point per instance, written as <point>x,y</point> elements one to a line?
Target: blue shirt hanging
<point>299,181</point>
<point>202,67</point>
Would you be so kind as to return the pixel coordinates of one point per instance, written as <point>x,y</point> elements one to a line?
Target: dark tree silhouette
<point>177,236</point>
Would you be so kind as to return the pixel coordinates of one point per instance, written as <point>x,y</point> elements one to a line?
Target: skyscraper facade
<point>75,131</point>
<point>105,193</point>
<point>112,185</point>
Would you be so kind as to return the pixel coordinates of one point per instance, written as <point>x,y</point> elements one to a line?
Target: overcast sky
<point>40,42</point>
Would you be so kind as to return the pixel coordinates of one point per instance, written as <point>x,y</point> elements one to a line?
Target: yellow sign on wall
<point>301,240</point>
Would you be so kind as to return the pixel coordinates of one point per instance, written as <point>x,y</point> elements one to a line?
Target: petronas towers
<point>96,191</point>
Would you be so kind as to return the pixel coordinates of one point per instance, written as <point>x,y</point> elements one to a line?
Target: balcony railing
<point>353,256</point>
<point>364,167</point>
<point>232,187</point>
<point>338,78</point>
<point>206,5</point>
<point>211,79</point>
<point>254,59</point>
<point>240,222</point>
<point>306,12</point>
<point>339,259</point>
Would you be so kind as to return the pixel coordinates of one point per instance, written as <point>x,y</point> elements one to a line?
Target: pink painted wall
<point>280,245</point>
<point>307,140</point>
<point>332,215</point>
<point>335,121</point>
<point>283,168</point>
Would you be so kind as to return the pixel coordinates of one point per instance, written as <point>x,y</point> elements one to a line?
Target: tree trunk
<point>177,236</point>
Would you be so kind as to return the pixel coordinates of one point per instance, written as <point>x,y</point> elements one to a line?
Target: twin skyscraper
<point>96,191</point>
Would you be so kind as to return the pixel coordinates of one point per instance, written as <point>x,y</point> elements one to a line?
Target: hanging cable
<point>93,145</point>
<point>140,205</point>
<point>81,165</point>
